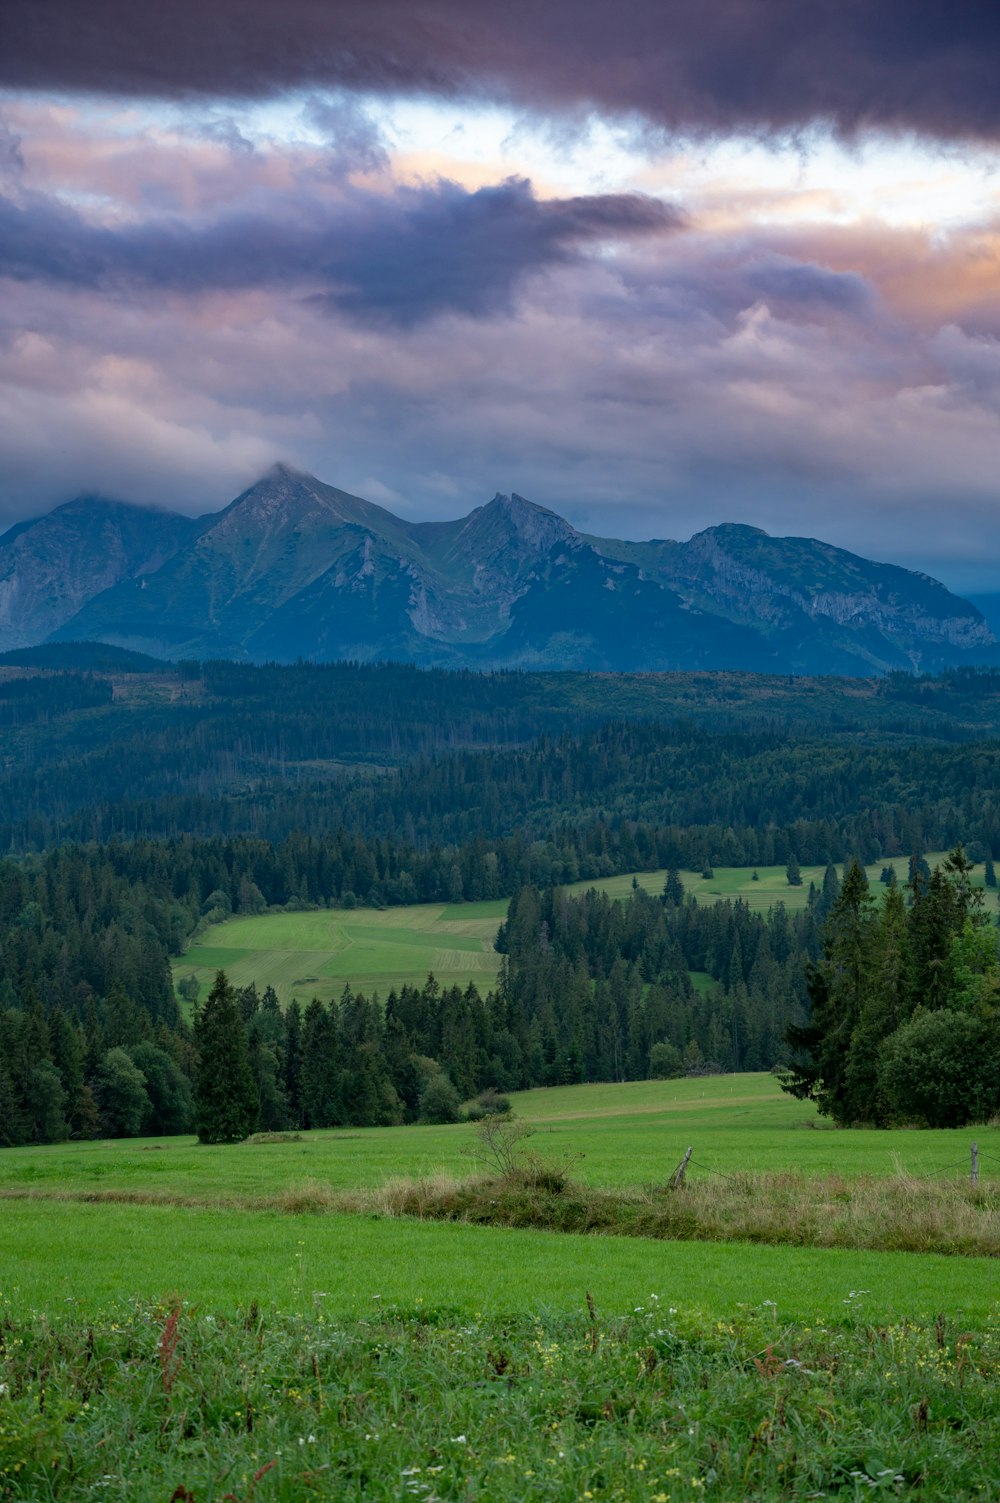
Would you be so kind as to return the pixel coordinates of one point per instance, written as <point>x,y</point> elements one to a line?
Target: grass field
<point>84,1258</point>
<point>163,1401</point>
<point>628,1135</point>
<point>317,954</point>
<point>219,1352</point>
<point>770,887</point>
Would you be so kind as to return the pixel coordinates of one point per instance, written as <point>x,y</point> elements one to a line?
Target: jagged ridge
<point>296,568</point>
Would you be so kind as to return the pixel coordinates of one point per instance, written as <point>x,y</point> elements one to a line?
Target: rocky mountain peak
<point>535,526</point>
<point>296,568</point>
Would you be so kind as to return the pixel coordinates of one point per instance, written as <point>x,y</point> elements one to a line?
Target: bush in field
<point>665,1062</point>
<point>942,1068</point>
<point>439,1100</point>
<point>489,1103</point>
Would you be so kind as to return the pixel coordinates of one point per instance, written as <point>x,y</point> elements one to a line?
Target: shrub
<point>665,1062</point>
<point>942,1068</point>
<point>489,1103</point>
<point>439,1100</point>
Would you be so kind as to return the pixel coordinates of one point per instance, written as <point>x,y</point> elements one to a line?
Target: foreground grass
<point>163,1401</point>
<point>69,1257</point>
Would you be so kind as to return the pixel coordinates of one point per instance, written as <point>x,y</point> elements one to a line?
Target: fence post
<point>677,1178</point>
<point>974,1175</point>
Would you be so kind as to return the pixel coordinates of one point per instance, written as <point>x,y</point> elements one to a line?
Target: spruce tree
<point>840,988</point>
<point>225,1091</point>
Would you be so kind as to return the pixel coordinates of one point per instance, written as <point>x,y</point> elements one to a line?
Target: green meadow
<point>317,954</point>
<point>78,1259</point>
<point>185,1334</point>
<point>770,886</point>
<point>172,1215</point>
<point>617,1136</point>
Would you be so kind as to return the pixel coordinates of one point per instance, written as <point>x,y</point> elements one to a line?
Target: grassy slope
<point>629,1134</point>
<point>317,954</point>
<point>771,886</point>
<point>83,1257</point>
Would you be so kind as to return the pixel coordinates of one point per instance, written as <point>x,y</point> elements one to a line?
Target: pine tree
<point>225,1092</point>
<point>839,988</point>
<point>884,1010</point>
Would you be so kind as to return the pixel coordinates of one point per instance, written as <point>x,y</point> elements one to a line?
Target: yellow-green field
<point>317,954</point>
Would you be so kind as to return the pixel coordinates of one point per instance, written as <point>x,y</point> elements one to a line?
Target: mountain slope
<point>813,602</point>
<point>51,566</point>
<point>295,569</point>
<point>267,547</point>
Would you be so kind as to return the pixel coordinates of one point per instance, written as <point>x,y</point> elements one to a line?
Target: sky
<point>656,265</point>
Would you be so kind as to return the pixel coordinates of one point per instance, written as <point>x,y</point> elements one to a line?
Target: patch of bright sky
<point>809,179</point>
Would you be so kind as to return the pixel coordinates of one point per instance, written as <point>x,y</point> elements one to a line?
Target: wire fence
<point>969,1168</point>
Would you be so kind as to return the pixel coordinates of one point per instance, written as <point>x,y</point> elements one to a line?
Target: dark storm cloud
<point>399,258</point>
<point>772,65</point>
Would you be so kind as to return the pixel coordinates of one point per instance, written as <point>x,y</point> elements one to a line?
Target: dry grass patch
<point>898,1214</point>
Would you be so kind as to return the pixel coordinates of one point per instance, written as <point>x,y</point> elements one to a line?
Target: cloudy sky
<point>654,264</point>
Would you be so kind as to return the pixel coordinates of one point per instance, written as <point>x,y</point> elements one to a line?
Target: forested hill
<point>101,745</point>
<point>139,806</point>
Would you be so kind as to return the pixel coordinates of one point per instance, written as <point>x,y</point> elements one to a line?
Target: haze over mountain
<point>294,568</point>
<point>53,565</point>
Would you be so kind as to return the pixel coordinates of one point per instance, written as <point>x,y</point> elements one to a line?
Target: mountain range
<point>294,568</point>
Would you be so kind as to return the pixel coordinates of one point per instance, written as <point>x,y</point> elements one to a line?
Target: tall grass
<point>899,1214</point>
<point>896,1214</point>
<point>163,1401</point>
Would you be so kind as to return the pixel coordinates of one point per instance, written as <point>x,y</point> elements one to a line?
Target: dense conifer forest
<point>139,805</point>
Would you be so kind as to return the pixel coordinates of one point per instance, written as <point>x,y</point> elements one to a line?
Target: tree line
<point>589,989</point>
<point>904,1017</point>
<point>223,749</point>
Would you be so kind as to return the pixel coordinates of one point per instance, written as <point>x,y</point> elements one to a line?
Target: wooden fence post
<point>974,1175</point>
<point>677,1178</point>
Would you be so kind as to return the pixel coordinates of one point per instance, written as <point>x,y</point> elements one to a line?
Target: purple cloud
<point>716,65</point>
<point>401,257</point>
